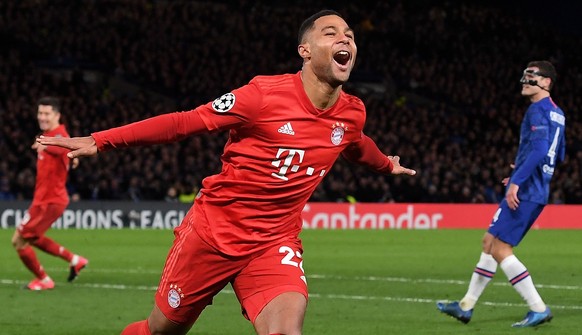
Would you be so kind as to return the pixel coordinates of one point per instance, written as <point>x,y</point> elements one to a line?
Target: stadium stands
<point>440,81</point>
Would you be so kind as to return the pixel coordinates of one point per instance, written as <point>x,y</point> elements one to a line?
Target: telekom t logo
<point>287,162</point>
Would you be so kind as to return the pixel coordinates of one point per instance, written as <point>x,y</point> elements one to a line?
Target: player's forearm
<point>524,170</point>
<point>366,152</point>
<point>159,129</point>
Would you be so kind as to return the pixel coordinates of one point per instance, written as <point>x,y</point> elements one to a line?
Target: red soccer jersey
<point>279,149</point>
<point>52,166</point>
<point>272,164</point>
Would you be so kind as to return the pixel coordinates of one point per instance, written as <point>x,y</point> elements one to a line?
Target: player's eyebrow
<point>348,29</point>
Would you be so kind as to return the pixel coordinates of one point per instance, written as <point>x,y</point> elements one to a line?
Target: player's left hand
<point>399,169</point>
<point>79,146</point>
<point>511,196</point>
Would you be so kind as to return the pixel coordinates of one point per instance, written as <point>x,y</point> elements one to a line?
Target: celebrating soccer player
<point>49,201</point>
<point>286,131</point>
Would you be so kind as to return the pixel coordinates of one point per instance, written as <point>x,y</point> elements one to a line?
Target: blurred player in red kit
<point>49,201</point>
<point>286,131</point>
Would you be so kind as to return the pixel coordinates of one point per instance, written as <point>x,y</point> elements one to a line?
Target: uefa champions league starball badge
<point>338,130</point>
<point>224,103</point>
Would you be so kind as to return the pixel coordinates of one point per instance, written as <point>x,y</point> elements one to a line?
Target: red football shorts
<point>195,272</point>
<point>39,219</point>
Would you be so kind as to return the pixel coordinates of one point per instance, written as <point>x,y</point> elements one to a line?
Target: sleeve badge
<point>224,103</point>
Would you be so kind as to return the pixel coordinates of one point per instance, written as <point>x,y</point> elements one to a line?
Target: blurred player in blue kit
<point>541,146</point>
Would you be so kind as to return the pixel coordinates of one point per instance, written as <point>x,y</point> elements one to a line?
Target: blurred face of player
<point>330,50</point>
<point>529,74</point>
<point>48,118</point>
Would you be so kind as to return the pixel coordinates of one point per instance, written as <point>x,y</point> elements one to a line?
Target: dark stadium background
<point>439,78</point>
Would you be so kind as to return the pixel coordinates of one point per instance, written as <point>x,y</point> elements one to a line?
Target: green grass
<point>361,282</point>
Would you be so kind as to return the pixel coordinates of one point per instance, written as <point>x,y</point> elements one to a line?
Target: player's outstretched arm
<point>163,128</point>
<point>399,169</point>
<point>79,146</point>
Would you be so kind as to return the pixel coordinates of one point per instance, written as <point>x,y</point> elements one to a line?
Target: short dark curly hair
<point>309,22</point>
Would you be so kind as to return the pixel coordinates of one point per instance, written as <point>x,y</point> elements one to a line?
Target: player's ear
<point>304,50</point>
<point>548,83</point>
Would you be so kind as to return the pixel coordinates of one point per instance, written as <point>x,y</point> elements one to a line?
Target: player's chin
<point>341,77</point>
<point>336,81</point>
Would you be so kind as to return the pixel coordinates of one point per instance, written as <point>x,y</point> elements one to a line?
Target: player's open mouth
<point>342,57</point>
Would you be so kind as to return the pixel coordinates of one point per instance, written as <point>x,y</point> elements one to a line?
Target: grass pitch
<point>361,282</point>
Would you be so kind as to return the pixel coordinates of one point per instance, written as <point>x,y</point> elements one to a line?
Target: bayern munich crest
<point>337,132</point>
<point>224,103</point>
<point>175,296</point>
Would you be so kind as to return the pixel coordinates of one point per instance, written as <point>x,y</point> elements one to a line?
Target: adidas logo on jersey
<point>287,129</point>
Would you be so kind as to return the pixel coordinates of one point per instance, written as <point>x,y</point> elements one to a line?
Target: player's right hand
<point>511,196</point>
<point>79,146</point>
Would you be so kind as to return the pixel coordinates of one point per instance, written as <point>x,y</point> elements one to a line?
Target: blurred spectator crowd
<point>439,79</point>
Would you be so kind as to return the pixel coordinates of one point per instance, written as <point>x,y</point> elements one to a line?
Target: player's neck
<point>539,96</point>
<point>321,94</point>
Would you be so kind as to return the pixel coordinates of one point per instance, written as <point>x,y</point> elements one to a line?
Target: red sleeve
<point>366,152</point>
<point>55,151</point>
<point>237,108</point>
<point>159,129</point>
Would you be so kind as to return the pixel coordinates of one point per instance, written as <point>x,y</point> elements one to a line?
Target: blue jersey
<point>542,144</point>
